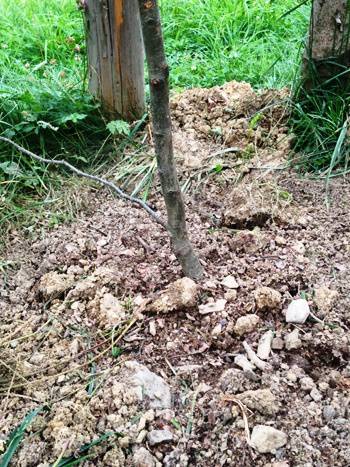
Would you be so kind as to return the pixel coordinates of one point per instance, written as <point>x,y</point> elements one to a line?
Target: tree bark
<point>115,56</point>
<point>327,55</point>
<point>158,71</point>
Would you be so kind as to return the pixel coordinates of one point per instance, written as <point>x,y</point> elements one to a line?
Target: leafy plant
<point>119,128</point>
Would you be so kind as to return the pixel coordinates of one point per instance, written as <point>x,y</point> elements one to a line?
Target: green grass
<point>210,42</point>
<point>44,104</point>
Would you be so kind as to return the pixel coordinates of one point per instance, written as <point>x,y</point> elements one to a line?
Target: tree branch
<point>100,180</point>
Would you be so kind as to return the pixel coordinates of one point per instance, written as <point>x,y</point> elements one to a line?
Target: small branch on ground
<point>95,178</point>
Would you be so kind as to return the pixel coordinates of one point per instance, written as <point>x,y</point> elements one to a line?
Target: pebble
<point>298,311</point>
<point>316,395</point>
<point>267,298</point>
<point>329,412</point>
<point>245,324</point>
<point>147,385</point>
<point>244,363</point>
<point>212,307</point>
<point>277,343</point>
<point>231,295</point>
<point>159,436</point>
<point>230,282</point>
<point>266,439</point>
<point>143,458</point>
<point>292,340</point>
<point>264,346</point>
<point>324,299</point>
<point>307,383</point>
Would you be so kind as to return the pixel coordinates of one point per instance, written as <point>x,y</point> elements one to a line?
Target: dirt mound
<point>235,116</point>
<point>129,371</point>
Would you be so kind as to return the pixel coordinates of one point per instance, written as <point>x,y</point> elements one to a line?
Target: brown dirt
<point>264,227</point>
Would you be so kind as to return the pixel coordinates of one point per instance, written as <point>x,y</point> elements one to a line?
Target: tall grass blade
<point>17,436</point>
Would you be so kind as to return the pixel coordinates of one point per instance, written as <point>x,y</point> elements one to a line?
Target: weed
<point>16,437</point>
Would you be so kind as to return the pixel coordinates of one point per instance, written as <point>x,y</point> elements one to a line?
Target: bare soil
<point>248,218</point>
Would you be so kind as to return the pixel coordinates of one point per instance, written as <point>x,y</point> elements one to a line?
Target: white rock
<point>159,436</point>
<point>212,307</point>
<point>244,363</point>
<point>264,347</point>
<point>292,340</point>
<point>149,386</point>
<point>217,330</point>
<point>245,324</point>
<point>254,358</point>
<point>230,282</point>
<point>298,311</point>
<point>266,439</point>
<point>143,458</point>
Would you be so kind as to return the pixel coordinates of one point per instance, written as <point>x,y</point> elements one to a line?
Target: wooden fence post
<point>115,56</point>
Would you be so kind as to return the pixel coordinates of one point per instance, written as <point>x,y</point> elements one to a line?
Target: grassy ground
<point>44,103</point>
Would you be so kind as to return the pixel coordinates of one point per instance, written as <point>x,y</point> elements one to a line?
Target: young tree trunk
<point>327,55</point>
<point>115,56</point>
<point>159,89</point>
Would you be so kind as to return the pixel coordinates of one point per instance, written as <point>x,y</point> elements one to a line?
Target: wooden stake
<point>115,56</point>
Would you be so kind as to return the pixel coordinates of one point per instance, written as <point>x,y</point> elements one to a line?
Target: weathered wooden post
<point>115,56</point>
<point>327,55</point>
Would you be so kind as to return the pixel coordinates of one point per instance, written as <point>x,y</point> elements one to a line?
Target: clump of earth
<point>128,363</point>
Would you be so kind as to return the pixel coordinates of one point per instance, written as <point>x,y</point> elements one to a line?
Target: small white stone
<point>264,347</point>
<point>244,363</point>
<point>298,311</point>
<point>230,282</point>
<point>212,307</point>
<point>231,295</point>
<point>266,439</point>
<point>217,330</point>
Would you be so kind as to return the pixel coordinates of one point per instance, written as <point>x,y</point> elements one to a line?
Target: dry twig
<point>95,178</point>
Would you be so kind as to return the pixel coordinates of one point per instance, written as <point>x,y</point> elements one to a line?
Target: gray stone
<point>277,343</point>
<point>143,458</point>
<point>149,386</point>
<point>292,340</point>
<point>307,384</point>
<point>266,439</point>
<point>159,436</point>
<point>329,412</point>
